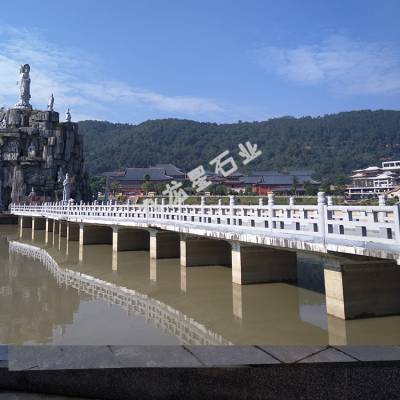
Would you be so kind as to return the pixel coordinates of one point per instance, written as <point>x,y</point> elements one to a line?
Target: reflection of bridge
<point>360,244</point>
<point>163,316</point>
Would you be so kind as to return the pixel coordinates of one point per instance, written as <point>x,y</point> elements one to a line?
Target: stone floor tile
<point>231,355</point>
<point>328,355</point>
<point>291,354</point>
<point>84,357</point>
<point>30,357</point>
<point>372,353</point>
<point>154,356</point>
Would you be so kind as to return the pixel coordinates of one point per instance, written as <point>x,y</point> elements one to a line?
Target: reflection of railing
<point>323,223</point>
<point>163,316</point>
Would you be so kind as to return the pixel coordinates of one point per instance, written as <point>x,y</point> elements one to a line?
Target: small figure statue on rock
<point>67,188</point>
<point>24,87</point>
<point>50,105</point>
<point>68,115</point>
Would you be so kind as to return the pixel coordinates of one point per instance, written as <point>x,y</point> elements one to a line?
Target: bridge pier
<point>95,234</point>
<point>55,226</point>
<point>164,244</point>
<point>361,289</point>
<point>72,232</point>
<point>55,229</point>
<point>38,224</point>
<point>130,239</point>
<point>153,270</point>
<point>24,222</point>
<point>198,251</point>
<point>256,264</point>
<point>49,228</point>
<point>62,229</point>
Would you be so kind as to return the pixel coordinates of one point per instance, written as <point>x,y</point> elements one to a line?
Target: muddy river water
<point>48,296</point>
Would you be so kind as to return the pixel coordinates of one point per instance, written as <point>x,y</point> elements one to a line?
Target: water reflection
<point>164,317</point>
<point>91,285</point>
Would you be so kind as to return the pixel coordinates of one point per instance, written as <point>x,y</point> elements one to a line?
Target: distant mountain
<point>331,145</point>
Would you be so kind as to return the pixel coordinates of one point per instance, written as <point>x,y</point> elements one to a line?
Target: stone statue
<point>50,105</point>
<point>67,188</point>
<point>24,87</point>
<point>68,116</point>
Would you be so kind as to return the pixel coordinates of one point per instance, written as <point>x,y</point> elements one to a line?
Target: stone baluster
<point>382,200</point>
<point>260,202</point>
<point>291,201</point>
<point>271,203</point>
<point>155,207</point>
<point>162,207</point>
<point>202,208</point>
<point>321,214</point>
<point>329,200</point>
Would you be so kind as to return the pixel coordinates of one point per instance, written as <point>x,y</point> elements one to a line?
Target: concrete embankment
<point>198,372</point>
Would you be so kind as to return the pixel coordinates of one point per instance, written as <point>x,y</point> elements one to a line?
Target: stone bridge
<point>359,245</point>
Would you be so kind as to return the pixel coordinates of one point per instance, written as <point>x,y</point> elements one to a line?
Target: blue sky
<point>209,60</point>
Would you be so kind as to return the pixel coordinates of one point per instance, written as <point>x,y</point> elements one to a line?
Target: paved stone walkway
<point>24,358</point>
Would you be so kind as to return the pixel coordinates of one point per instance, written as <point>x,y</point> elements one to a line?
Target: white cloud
<point>75,81</point>
<point>347,66</point>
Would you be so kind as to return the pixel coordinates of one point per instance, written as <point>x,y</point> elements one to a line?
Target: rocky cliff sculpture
<point>35,149</point>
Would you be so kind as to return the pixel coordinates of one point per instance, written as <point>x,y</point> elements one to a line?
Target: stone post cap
<point>321,198</point>
<point>271,197</point>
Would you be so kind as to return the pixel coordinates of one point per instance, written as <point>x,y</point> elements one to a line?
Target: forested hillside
<point>331,145</point>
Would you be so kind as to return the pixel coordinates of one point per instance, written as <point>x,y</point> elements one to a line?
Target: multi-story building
<point>372,181</point>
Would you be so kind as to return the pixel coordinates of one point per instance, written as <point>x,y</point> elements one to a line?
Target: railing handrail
<point>379,224</point>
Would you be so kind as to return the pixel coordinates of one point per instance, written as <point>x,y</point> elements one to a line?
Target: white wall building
<point>372,181</point>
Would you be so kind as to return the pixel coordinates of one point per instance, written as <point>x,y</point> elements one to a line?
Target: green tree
<point>114,186</point>
<point>147,186</point>
<point>309,189</point>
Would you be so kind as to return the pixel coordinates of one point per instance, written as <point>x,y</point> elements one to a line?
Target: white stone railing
<point>323,223</point>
